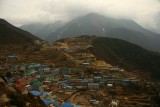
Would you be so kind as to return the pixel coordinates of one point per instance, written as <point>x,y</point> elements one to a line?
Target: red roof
<point>20,86</point>
<point>26,79</point>
<point>21,80</point>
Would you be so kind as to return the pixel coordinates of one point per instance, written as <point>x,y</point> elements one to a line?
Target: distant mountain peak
<point>93,14</point>
<point>99,25</point>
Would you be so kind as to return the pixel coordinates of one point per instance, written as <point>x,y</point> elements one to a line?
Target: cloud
<point>21,12</point>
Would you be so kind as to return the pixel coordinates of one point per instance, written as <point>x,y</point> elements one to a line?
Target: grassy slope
<point>127,55</point>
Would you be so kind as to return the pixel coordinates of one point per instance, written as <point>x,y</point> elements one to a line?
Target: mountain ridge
<point>10,34</point>
<point>94,24</point>
<point>42,30</point>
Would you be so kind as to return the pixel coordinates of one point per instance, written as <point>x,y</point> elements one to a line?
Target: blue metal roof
<point>35,93</point>
<point>67,104</point>
<point>56,104</point>
<point>46,102</point>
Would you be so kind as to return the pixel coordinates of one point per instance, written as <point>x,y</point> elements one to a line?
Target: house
<point>66,77</point>
<point>115,68</point>
<point>105,78</point>
<point>21,89</point>
<point>56,104</point>
<point>22,81</point>
<point>68,50</point>
<point>73,60</point>
<point>66,70</point>
<point>94,101</point>
<point>12,57</point>
<point>46,65</point>
<point>109,85</point>
<point>54,86</point>
<point>36,85</point>
<point>110,81</point>
<point>126,82</point>
<point>88,57</point>
<point>97,78</point>
<point>47,70</point>
<point>55,72</point>
<point>22,67</point>
<point>101,84</point>
<point>83,83</point>
<point>13,68</point>
<point>44,68</point>
<point>79,83</point>
<point>81,46</point>
<point>36,93</point>
<point>46,102</point>
<point>75,105</point>
<point>85,64</point>
<point>117,81</point>
<point>83,54</point>
<point>114,103</point>
<point>28,87</point>
<point>46,82</point>
<point>64,85</point>
<point>67,104</point>
<point>40,70</point>
<point>33,65</point>
<point>93,86</point>
<point>76,71</point>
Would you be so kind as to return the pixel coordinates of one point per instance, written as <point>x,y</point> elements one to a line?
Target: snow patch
<point>103,30</point>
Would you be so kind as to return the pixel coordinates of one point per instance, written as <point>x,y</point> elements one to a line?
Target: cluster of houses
<point>55,85</point>
<point>45,81</point>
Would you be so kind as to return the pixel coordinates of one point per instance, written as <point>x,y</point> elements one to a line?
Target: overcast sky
<point>19,12</point>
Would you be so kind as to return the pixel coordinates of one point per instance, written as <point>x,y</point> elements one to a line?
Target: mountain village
<point>78,79</point>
